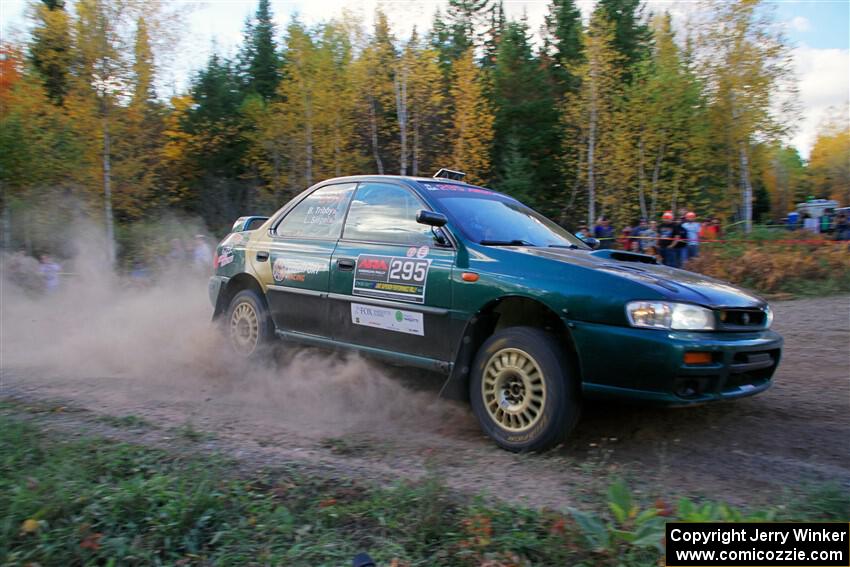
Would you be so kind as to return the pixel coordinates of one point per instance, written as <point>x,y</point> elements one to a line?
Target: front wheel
<point>522,391</point>
<point>248,326</point>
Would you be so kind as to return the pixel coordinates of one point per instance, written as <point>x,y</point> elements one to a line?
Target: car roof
<point>412,181</point>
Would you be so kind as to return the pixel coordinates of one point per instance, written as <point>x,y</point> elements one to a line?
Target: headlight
<point>668,315</point>
<point>768,317</point>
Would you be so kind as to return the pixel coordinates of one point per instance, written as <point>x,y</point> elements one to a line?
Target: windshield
<point>493,219</point>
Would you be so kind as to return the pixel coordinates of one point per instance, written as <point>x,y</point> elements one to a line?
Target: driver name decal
<point>391,277</point>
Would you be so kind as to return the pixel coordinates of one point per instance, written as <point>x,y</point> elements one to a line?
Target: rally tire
<point>522,390</point>
<point>247,326</point>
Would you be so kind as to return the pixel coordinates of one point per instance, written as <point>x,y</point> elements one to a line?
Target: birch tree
<point>747,70</point>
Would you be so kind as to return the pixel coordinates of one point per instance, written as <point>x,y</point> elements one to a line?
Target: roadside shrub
<point>773,265</point>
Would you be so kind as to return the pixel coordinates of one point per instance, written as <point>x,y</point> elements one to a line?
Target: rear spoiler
<point>248,223</point>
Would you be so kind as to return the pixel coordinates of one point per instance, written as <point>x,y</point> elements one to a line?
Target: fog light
<point>697,358</point>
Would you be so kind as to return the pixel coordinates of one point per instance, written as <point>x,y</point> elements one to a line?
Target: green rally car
<point>521,316</point>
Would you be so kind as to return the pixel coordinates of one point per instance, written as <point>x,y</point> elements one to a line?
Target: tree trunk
<point>400,85</point>
<point>107,193</point>
<point>591,149</point>
<point>656,172</point>
<point>308,142</point>
<point>373,125</point>
<point>641,181</point>
<point>746,187</point>
<point>414,166</point>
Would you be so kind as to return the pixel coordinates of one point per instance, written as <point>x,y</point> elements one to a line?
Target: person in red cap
<point>671,239</point>
<point>692,228</point>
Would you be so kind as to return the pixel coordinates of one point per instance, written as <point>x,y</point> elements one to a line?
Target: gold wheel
<point>513,389</point>
<point>244,328</point>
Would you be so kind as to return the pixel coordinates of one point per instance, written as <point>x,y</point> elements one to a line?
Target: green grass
<point>127,421</point>
<point>94,501</point>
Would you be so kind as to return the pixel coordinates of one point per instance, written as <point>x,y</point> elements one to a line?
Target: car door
<point>390,281</point>
<point>298,260</point>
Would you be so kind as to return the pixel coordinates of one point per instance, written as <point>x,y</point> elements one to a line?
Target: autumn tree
<point>472,122</point>
<point>50,49</point>
<point>589,115</point>
<point>746,67</point>
<point>373,77</point>
<point>829,162</point>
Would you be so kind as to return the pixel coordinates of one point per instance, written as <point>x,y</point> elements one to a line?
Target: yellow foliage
<point>472,126</point>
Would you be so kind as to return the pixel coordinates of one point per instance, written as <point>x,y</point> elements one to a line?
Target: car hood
<point>675,284</point>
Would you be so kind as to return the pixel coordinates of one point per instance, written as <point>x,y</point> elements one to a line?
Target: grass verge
<point>95,501</point>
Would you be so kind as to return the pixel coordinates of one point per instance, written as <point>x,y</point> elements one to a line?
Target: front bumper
<point>648,365</point>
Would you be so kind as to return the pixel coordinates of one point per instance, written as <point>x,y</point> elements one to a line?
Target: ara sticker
<point>389,319</point>
<point>391,277</point>
<point>411,252</point>
<point>422,252</point>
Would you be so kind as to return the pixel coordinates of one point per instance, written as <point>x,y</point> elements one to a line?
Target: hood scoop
<point>623,256</point>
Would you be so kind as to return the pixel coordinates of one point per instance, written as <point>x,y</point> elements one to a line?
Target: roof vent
<point>450,174</point>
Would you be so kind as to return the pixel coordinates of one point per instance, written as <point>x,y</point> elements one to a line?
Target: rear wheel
<point>248,325</point>
<point>522,391</point>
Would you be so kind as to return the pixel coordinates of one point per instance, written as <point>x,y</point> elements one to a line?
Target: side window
<point>386,213</point>
<point>319,215</point>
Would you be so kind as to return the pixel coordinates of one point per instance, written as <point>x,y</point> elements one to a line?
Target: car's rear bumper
<point>648,365</point>
<point>214,287</point>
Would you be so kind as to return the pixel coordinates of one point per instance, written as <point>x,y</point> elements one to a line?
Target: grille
<point>742,319</point>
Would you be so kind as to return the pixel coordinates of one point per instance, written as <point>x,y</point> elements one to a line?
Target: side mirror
<point>592,242</point>
<point>431,218</point>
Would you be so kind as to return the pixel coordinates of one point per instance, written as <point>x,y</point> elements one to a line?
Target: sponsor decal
<point>455,188</point>
<point>278,270</point>
<point>320,215</point>
<point>411,252</point>
<point>392,277</point>
<point>422,252</point>
<point>295,269</point>
<point>396,320</point>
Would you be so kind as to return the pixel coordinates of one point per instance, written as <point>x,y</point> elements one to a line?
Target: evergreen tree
<point>632,35</point>
<point>562,44</point>
<point>260,59</point>
<point>50,49</point>
<point>526,115</point>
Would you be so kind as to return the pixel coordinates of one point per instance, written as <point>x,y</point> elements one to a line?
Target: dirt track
<point>350,418</point>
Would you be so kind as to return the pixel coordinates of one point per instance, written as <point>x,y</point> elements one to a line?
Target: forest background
<point>621,114</point>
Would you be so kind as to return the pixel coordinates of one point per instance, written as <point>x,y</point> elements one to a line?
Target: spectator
<point>653,251</point>
<point>177,254</point>
<point>692,228</point>
<point>202,254</point>
<point>625,238</point>
<point>793,220</point>
<point>604,232</point>
<point>710,229</point>
<point>50,273</point>
<point>648,237</point>
<point>671,240</point>
<point>842,227</point>
<point>638,230</point>
<point>583,232</point>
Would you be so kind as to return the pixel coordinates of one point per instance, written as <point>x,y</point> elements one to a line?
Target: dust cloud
<point>116,342</point>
